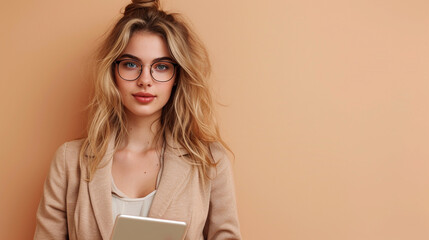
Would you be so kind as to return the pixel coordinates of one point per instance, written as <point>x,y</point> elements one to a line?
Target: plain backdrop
<point>325,104</point>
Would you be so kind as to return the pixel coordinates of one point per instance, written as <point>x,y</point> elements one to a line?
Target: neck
<point>141,133</point>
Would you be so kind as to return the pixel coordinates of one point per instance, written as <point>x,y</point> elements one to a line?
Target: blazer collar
<point>175,171</point>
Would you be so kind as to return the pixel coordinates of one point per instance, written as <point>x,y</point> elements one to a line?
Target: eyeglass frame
<point>141,68</point>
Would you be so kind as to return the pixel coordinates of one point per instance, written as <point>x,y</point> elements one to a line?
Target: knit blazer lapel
<point>175,172</point>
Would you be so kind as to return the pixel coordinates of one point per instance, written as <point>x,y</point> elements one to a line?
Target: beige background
<point>326,106</point>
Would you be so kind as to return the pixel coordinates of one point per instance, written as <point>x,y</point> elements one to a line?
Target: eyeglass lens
<point>161,71</point>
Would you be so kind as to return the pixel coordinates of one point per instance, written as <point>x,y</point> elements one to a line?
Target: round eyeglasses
<point>161,71</point>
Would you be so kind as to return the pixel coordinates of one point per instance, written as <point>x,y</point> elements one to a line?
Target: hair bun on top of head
<point>137,5</point>
<point>145,4</point>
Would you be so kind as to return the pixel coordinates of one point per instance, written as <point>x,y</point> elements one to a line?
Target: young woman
<point>153,147</point>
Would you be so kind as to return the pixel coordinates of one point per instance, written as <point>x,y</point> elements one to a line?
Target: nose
<point>145,78</point>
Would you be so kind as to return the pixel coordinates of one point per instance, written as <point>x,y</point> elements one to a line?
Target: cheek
<point>121,85</point>
<point>123,90</point>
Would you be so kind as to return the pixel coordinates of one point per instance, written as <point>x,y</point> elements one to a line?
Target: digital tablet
<point>142,228</point>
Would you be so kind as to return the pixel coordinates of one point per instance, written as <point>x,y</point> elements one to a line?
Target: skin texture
<point>136,162</point>
<point>147,47</point>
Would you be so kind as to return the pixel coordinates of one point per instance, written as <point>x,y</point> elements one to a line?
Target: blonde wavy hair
<point>188,115</point>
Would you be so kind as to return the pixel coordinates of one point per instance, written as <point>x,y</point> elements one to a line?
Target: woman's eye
<point>130,65</point>
<point>161,67</point>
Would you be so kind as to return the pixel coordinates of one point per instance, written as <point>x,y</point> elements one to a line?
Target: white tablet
<point>142,228</point>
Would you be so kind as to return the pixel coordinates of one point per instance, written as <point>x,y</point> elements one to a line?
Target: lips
<point>144,97</point>
<point>142,94</point>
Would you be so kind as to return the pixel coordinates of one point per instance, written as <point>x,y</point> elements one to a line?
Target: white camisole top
<point>121,204</point>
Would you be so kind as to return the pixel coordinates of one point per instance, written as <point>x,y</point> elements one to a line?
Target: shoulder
<point>220,156</point>
<point>73,145</point>
<point>218,151</point>
<point>68,154</point>
<point>70,147</point>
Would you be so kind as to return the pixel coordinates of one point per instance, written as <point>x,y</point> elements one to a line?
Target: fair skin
<point>136,161</point>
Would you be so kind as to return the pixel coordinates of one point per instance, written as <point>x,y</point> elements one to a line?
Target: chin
<point>143,114</point>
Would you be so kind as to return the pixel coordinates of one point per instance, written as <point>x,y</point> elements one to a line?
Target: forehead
<point>147,46</point>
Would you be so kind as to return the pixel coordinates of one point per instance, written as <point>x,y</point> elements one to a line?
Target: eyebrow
<point>138,59</point>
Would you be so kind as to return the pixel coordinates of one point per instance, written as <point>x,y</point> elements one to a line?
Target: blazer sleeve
<point>51,220</point>
<point>222,221</point>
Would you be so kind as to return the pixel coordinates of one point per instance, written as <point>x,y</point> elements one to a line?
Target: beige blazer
<point>72,208</point>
